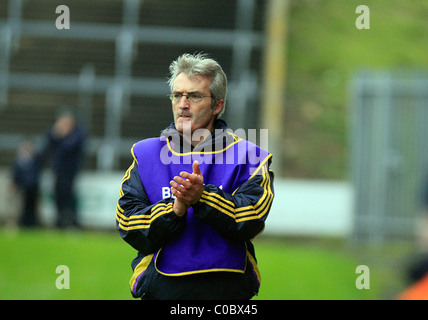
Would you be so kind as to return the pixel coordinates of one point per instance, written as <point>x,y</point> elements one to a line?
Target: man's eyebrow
<point>188,92</point>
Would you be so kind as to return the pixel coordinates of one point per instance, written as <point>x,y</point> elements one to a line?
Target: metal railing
<point>389,155</point>
<point>122,85</point>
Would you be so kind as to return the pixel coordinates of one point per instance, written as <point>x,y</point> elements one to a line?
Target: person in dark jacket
<point>26,178</point>
<point>65,145</point>
<point>193,198</point>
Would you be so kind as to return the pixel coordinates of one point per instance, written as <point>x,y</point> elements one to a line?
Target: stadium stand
<point>117,50</point>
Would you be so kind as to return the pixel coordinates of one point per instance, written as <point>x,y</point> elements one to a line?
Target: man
<point>65,142</point>
<point>194,197</point>
<point>26,178</point>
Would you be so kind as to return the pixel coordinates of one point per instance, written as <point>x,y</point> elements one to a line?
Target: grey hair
<point>200,64</point>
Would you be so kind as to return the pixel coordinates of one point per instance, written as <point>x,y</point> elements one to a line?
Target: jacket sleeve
<point>242,214</point>
<point>145,226</point>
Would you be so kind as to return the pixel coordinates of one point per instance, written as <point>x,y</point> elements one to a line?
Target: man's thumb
<point>196,168</point>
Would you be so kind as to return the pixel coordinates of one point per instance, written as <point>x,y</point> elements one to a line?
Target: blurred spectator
<point>423,226</point>
<point>418,269</point>
<point>418,291</point>
<point>26,178</point>
<point>418,277</point>
<point>64,143</point>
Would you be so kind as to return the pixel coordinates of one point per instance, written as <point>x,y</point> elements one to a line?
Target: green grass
<point>302,271</point>
<point>99,264</point>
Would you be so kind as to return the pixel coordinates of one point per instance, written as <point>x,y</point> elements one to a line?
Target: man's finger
<point>179,195</point>
<point>184,182</point>
<point>196,169</point>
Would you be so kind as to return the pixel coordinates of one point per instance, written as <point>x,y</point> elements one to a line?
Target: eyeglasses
<point>193,97</point>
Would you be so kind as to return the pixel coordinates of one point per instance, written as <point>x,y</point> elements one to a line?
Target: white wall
<point>311,207</point>
<point>301,207</point>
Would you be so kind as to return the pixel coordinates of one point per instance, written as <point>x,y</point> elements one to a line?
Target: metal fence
<point>389,157</point>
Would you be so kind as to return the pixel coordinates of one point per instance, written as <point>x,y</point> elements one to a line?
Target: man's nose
<point>184,102</point>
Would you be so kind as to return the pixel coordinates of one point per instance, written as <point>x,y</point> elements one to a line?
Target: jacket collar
<point>221,137</point>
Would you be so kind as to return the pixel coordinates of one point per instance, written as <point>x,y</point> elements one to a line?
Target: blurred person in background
<point>417,272</point>
<point>26,180</point>
<point>192,221</point>
<point>65,146</point>
<point>424,225</point>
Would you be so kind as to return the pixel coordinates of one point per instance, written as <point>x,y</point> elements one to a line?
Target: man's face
<point>200,114</point>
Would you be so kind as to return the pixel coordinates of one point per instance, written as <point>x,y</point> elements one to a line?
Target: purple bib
<point>199,248</point>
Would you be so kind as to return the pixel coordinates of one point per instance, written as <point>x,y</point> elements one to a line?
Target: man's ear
<point>218,106</point>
